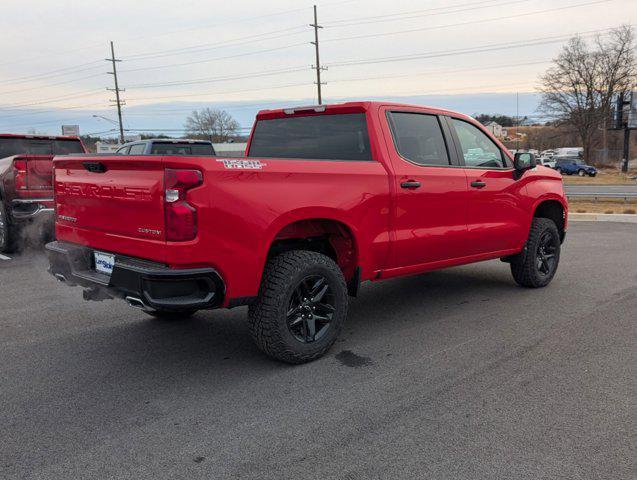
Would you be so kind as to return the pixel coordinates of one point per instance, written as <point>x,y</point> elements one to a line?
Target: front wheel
<point>301,307</point>
<point>536,265</point>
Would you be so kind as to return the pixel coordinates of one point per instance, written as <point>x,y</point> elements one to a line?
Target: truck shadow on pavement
<point>220,340</point>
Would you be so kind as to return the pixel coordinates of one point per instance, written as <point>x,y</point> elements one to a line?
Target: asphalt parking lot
<point>457,374</point>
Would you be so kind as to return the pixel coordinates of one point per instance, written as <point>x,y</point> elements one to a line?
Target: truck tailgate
<point>121,196</point>
<point>39,171</point>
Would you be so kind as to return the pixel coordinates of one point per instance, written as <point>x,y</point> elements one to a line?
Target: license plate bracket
<point>104,262</point>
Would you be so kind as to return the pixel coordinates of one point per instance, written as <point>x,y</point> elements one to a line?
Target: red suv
<point>326,198</point>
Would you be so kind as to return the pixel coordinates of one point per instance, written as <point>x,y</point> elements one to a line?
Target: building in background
<point>496,129</point>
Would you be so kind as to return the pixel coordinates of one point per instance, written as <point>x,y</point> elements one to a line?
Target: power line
<point>255,38</point>
<point>199,94</point>
<point>479,49</point>
<point>422,13</point>
<point>54,73</point>
<point>430,73</point>
<point>470,22</point>
<point>215,59</point>
<point>52,84</point>
<point>86,93</point>
<point>260,73</point>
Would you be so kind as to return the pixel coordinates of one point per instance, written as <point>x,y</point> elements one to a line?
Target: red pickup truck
<point>26,183</point>
<point>326,198</point>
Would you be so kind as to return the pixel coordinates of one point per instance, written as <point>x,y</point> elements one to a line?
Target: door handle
<point>478,184</point>
<point>410,184</point>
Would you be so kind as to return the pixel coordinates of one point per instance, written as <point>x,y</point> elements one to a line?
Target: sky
<point>475,56</point>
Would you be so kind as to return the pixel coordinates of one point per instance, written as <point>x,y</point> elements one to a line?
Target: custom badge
<point>242,164</point>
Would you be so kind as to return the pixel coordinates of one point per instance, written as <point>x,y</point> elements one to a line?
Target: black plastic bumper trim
<point>154,284</point>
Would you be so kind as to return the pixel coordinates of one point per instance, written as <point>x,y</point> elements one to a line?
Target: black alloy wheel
<point>537,264</point>
<point>546,253</point>
<point>311,309</point>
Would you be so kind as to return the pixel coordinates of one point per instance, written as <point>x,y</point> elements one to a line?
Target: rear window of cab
<point>323,137</point>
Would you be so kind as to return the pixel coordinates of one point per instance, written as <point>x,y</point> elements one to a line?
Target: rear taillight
<point>21,180</point>
<point>181,217</point>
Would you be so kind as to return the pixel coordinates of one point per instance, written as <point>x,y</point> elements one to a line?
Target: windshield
<point>170,148</point>
<point>38,146</point>
<point>338,137</point>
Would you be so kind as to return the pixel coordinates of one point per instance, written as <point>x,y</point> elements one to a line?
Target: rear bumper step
<point>143,284</point>
<point>24,209</point>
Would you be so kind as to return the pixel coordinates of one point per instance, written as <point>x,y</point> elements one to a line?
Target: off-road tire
<point>170,316</point>
<point>268,314</point>
<point>524,266</point>
<point>7,235</point>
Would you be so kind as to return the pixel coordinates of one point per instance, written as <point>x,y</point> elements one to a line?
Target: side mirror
<point>523,161</point>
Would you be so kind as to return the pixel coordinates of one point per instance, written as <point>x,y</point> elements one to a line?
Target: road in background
<point>457,374</point>
<point>592,189</point>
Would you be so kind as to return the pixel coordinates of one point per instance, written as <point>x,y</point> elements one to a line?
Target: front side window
<point>478,149</point>
<point>326,137</point>
<point>418,138</point>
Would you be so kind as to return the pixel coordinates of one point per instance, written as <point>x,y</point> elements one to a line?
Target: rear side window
<point>137,149</point>
<point>418,138</point>
<point>478,149</point>
<point>38,146</point>
<point>337,137</point>
<point>170,148</point>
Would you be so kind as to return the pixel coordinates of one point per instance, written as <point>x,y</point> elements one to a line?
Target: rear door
<point>430,222</point>
<point>495,217</point>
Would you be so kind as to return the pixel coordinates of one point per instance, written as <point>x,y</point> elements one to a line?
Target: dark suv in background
<point>574,165</point>
<point>163,146</point>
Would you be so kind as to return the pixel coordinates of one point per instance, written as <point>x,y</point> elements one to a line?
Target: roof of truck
<point>43,137</point>
<point>347,107</point>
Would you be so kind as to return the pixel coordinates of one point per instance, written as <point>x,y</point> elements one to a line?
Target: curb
<point>602,217</point>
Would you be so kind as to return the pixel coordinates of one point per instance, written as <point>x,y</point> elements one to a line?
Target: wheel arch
<point>554,209</point>
<point>326,232</point>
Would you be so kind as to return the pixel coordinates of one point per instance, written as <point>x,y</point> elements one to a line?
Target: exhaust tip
<point>136,303</point>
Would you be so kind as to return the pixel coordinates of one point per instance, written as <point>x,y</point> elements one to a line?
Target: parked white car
<point>547,161</point>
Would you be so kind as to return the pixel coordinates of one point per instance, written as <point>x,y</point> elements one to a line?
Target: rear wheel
<point>581,173</point>
<point>536,265</point>
<point>7,240</point>
<point>301,307</point>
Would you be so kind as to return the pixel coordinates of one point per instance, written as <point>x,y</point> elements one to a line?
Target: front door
<point>495,219</point>
<point>430,222</point>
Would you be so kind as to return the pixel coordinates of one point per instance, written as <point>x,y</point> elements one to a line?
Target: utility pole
<point>626,149</point>
<point>117,100</point>
<point>623,120</point>
<point>318,62</point>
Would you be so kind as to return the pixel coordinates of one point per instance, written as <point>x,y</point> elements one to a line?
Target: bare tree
<point>578,89</point>
<point>211,124</point>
